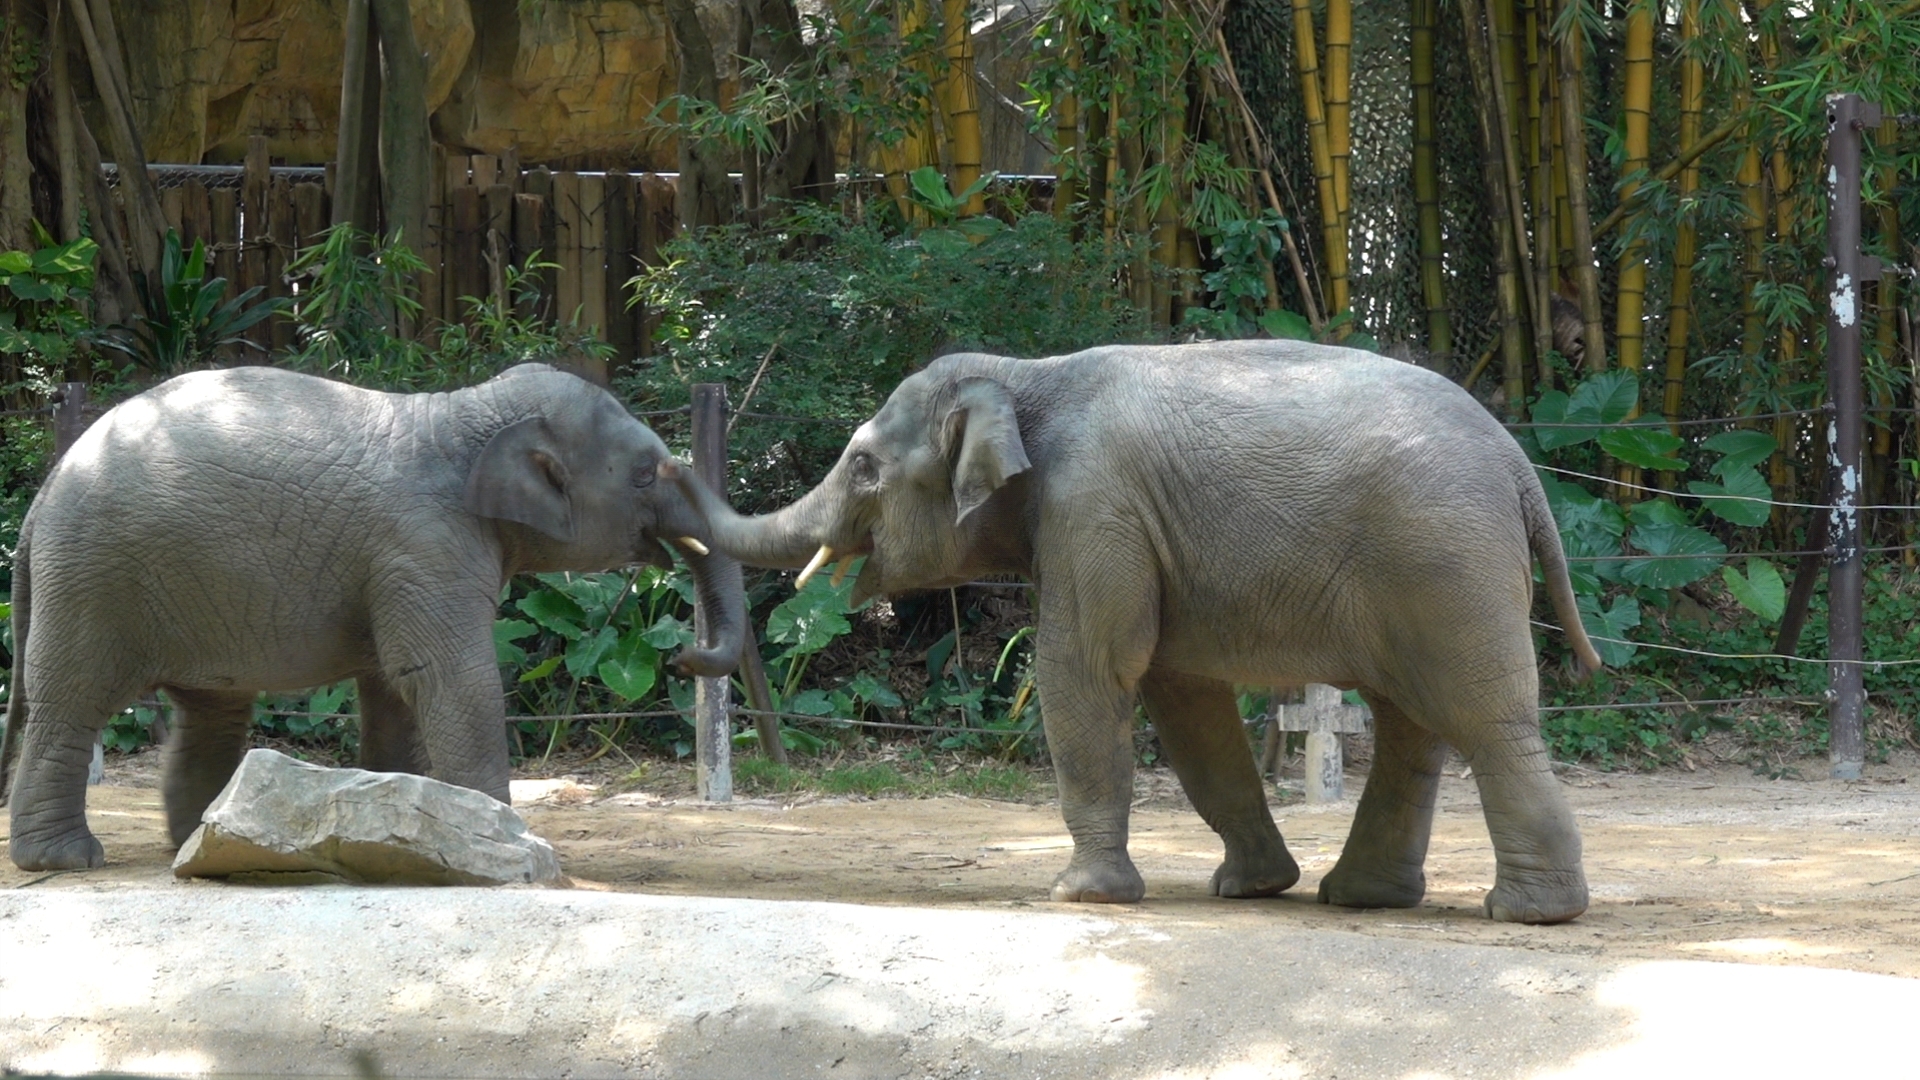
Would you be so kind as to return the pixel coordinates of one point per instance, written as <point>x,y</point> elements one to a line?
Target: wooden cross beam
<point>1324,717</point>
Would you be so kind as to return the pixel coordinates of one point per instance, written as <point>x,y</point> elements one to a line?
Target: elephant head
<point>573,485</point>
<point>914,491</point>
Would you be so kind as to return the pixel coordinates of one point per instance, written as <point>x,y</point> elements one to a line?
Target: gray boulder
<point>286,821</point>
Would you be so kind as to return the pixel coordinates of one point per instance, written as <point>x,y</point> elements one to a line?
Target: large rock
<point>283,820</point>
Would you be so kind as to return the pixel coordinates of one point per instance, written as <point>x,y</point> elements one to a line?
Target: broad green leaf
<point>1659,512</point>
<point>1282,323</point>
<point>1647,447</point>
<point>945,243</point>
<point>871,690</point>
<point>1666,540</point>
<point>505,633</point>
<point>1552,409</point>
<point>1750,503</point>
<point>811,703</point>
<point>585,653</point>
<point>1759,590</point>
<point>668,632</point>
<point>27,288</point>
<point>1739,449</point>
<point>632,668</point>
<point>556,611</point>
<point>982,226</point>
<point>812,617</point>
<point>937,656</point>
<point>15,262</point>
<point>930,186</point>
<point>1611,623</point>
<point>1608,397</point>
<point>541,670</point>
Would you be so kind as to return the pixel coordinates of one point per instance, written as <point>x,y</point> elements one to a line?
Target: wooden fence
<point>597,228</point>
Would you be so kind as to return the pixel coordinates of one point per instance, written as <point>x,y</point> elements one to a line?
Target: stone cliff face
<point>570,82</point>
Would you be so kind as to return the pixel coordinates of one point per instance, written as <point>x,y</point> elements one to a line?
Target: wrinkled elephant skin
<point>233,532</point>
<point>1200,516</point>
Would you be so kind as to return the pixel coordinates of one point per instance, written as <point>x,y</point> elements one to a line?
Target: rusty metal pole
<point>712,697</point>
<point>1847,116</point>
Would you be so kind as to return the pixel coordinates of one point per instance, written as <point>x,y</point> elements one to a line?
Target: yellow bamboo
<point>1066,122</point>
<point>1307,62</point>
<point>960,102</point>
<point>1637,104</point>
<point>1573,140</point>
<point>1426,183</point>
<point>1680,304</point>
<point>1539,191</point>
<point>1339,97</point>
<point>1512,305</point>
<point>1166,216</point>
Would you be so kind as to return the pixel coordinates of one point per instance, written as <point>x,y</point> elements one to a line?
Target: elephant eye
<point>865,472</point>
<point>645,474</point>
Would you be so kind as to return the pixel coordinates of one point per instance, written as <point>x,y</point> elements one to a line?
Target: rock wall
<point>570,82</point>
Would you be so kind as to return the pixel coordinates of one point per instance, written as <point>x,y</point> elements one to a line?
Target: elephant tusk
<point>840,571</point>
<point>693,545</point>
<point>820,559</point>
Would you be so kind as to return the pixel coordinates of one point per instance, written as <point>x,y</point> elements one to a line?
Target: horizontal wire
<point>1694,704</point>
<point>1696,495</point>
<point>1875,664</point>
<point>1656,422</point>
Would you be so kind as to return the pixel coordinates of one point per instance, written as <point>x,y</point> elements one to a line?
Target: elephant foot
<point>1343,887</point>
<point>1111,882</point>
<point>76,850</point>
<point>1560,898</point>
<point>1243,878</point>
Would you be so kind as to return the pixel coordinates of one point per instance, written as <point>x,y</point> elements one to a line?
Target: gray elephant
<point>230,532</point>
<point>1197,516</point>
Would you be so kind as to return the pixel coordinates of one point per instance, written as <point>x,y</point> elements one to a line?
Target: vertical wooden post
<point>592,238</point>
<point>498,242</point>
<point>620,328</point>
<point>529,221</point>
<point>283,239</point>
<point>255,180</point>
<point>1847,116</point>
<point>712,697</point>
<point>566,244</point>
<point>196,216</point>
<point>539,182</point>
<point>469,270</point>
<point>1326,764</point>
<point>225,240</point>
<point>69,423</point>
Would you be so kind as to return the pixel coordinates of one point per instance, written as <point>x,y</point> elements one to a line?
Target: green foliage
<point>356,292</point>
<point>185,319</point>
<point>841,310</point>
<point>43,306</point>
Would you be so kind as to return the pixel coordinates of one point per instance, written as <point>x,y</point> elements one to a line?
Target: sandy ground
<point>1777,876</point>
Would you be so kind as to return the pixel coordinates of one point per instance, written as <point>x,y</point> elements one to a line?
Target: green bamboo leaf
<point>542,670</point>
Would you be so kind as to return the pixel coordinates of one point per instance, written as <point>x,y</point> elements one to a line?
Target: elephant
<point>1197,516</point>
<point>256,529</point>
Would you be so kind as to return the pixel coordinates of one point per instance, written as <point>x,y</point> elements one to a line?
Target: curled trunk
<point>782,540</point>
<point>716,578</point>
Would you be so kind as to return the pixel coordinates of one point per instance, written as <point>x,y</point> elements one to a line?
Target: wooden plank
<point>255,180</point>
<point>622,328</point>
<point>658,221</point>
<point>486,168</point>
<point>226,236</point>
<point>539,182</point>
<point>529,224</point>
<point>432,247</point>
<point>196,215</point>
<point>454,176</point>
<point>173,203</point>
<point>469,270</point>
<point>498,240</point>
<point>510,169</point>
<point>566,244</point>
<point>280,254</point>
<point>592,237</point>
<point>310,215</point>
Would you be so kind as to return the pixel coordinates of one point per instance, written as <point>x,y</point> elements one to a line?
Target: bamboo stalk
<point>1426,182</point>
<point>1066,122</point>
<point>1307,64</point>
<point>1508,145</point>
<point>1499,205</point>
<point>1339,103</point>
<point>960,101</point>
<point>1684,159</point>
<point>1540,191</point>
<point>1680,303</point>
<point>1262,159</point>
<point>1167,229</point>
<point>1573,140</point>
<point>1629,328</point>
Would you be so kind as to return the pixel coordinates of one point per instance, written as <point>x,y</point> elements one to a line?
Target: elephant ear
<point>521,477</point>
<point>982,440</point>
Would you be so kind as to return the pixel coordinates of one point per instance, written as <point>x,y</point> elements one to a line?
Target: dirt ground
<point>1713,864</point>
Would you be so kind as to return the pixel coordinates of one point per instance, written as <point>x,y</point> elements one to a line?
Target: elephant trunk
<point>717,580</point>
<point>782,540</point>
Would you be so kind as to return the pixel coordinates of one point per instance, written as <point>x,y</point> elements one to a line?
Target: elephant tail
<point>1543,535</point>
<point>16,688</point>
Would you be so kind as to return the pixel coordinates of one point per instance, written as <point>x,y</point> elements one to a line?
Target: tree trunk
<point>16,168</point>
<point>801,162</point>
<point>145,220</point>
<point>405,143</point>
<point>1499,209</point>
<point>705,193</point>
<point>356,170</point>
<point>67,147</point>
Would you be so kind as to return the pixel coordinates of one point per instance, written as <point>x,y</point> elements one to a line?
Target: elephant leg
<point>1495,724</point>
<point>208,740</point>
<point>389,733</point>
<point>1381,864</point>
<point>436,654</point>
<point>47,803</point>
<point>1199,727</point>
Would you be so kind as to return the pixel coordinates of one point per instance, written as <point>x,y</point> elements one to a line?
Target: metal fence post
<point>712,697</point>
<point>1847,115</point>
